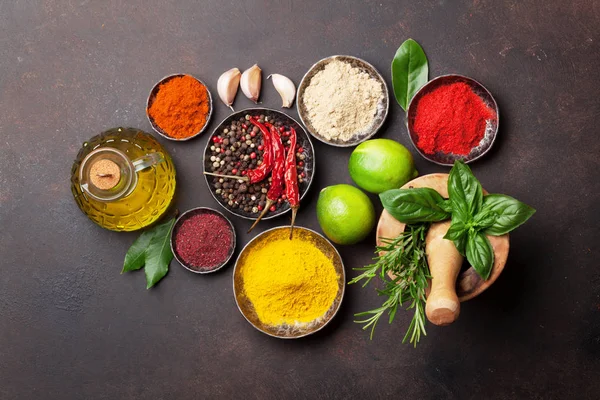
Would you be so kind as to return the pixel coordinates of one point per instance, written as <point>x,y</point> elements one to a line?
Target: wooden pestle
<point>445,261</point>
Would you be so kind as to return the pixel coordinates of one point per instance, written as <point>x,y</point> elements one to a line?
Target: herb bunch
<point>403,257</point>
<point>473,215</point>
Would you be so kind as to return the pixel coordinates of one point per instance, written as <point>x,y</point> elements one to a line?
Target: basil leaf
<point>466,194</point>
<point>446,205</point>
<point>458,234</point>
<point>414,205</point>
<point>511,213</point>
<point>136,255</point>
<point>461,244</point>
<point>480,253</point>
<point>409,72</point>
<point>158,253</point>
<point>456,230</point>
<point>484,219</point>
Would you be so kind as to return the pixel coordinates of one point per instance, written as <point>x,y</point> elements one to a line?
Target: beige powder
<point>341,101</point>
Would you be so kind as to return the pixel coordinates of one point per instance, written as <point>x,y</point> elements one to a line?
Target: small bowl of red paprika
<point>179,107</point>
<point>452,117</point>
<point>203,240</point>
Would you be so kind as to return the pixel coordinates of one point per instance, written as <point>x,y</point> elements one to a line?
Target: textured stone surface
<point>73,328</point>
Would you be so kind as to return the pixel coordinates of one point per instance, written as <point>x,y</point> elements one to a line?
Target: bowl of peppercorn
<point>239,170</point>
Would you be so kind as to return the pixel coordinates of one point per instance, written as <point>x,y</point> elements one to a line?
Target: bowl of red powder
<point>203,240</point>
<point>452,117</point>
<point>179,107</point>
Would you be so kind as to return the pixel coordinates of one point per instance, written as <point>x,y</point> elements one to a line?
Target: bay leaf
<point>158,253</point>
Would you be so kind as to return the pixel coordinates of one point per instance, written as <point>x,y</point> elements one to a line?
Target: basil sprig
<point>473,215</point>
<point>409,72</point>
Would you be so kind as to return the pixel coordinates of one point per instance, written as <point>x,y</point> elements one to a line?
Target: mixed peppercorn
<point>243,149</point>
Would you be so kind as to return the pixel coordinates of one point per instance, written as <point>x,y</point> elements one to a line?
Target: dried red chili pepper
<point>291,179</point>
<point>259,173</point>
<point>276,189</point>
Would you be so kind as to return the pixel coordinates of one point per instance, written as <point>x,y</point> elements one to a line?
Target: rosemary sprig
<point>405,257</point>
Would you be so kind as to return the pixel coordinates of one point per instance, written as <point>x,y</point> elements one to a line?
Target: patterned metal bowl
<point>490,131</point>
<point>286,331</point>
<point>382,106</point>
<point>190,213</point>
<point>152,97</point>
<point>303,140</point>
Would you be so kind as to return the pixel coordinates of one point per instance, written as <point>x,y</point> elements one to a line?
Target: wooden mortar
<point>443,300</point>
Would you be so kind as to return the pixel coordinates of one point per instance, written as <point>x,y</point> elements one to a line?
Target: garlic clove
<point>227,86</point>
<point>286,89</point>
<point>251,81</point>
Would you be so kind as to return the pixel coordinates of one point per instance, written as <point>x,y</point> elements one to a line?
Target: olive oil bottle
<point>123,179</point>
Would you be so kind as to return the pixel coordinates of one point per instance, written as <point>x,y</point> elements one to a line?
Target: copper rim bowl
<point>303,140</point>
<point>177,225</point>
<point>491,129</point>
<point>152,97</point>
<point>289,332</point>
<point>382,107</point>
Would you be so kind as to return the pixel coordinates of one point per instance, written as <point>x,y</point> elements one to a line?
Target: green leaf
<point>511,213</point>
<point>136,255</point>
<point>409,72</point>
<point>480,253</point>
<point>466,194</point>
<point>158,253</point>
<point>414,205</point>
<point>461,244</point>
<point>458,234</point>
<point>446,205</point>
<point>484,219</point>
<point>457,229</point>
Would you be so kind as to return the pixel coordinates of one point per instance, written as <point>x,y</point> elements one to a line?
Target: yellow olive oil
<point>146,181</point>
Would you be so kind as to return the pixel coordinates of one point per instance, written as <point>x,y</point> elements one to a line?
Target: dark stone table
<point>72,327</point>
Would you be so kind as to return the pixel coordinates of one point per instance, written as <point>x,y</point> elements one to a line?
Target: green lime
<point>345,213</point>
<point>381,164</point>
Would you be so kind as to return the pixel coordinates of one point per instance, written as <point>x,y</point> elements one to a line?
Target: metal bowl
<point>289,332</point>
<point>177,225</point>
<point>490,131</point>
<point>302,139</point>
<point>152,97</point>
<point>382,107</point>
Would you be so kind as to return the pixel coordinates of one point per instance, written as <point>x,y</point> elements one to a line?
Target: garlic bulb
<point>227,86</point>
<point>286,89</point>
<point>250,83</point>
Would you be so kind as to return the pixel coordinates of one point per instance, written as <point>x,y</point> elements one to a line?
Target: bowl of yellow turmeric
<point>289,288</point>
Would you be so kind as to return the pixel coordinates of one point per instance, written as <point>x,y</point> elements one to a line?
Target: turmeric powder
<point>289,281</point>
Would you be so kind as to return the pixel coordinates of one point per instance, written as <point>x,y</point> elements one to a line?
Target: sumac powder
<point>451,119</point>
<point>203,241</point>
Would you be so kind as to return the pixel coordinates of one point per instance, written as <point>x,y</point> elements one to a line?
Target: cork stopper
<point>105,174</point>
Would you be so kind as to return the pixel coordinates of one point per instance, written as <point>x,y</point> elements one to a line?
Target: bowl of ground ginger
<point>289,288</point>
<point>342,100</point>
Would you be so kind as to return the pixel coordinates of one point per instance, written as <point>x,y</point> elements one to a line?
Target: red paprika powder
<point>181,107</point>
<point>451,119</point>
<point>203,241</point>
